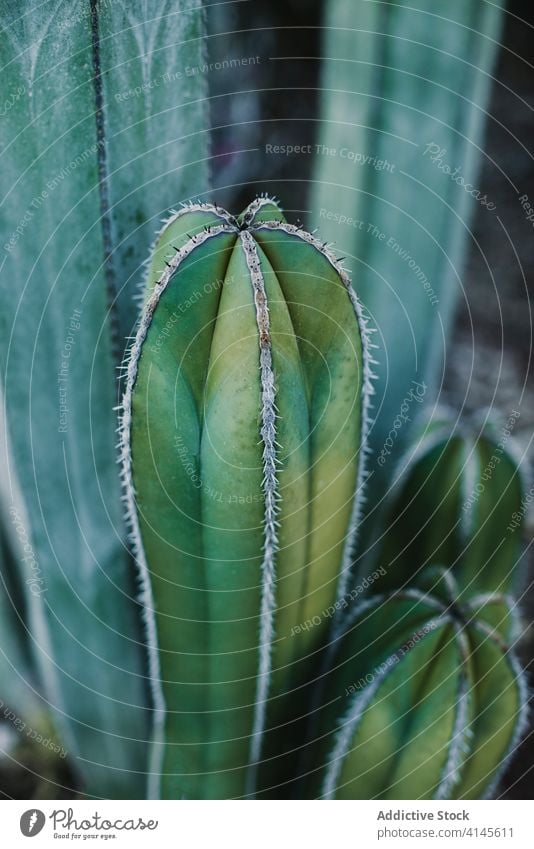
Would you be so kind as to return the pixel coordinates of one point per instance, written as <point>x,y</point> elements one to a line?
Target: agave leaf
<point>155,108</point>
<point>76,161</point>
<point>397,78</point>
<point>20,587</point>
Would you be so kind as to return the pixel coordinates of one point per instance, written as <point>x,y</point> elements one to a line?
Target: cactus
<point>425,699</point>
<point>452,503</point>
<point>98,141</point>
<point>243,424</point>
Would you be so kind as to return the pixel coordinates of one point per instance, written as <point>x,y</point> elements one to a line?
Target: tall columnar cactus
<point>243,425</point>
<point>452,503</point>
<point>425,700</point>
<point>104,130</point>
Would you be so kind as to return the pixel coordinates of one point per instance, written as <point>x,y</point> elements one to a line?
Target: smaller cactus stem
<point>271,495</point>
<point>345,735</point>
<point>462,732</point>
<point>404,464</point>
<point>351,721</point>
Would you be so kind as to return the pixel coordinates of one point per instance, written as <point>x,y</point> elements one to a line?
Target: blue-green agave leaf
<point>93,144</point>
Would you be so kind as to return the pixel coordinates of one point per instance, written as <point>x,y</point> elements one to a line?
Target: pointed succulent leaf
<point>403,106</point>
<point>243,421</point>
<point>102,133</point>
<point>500,700</point>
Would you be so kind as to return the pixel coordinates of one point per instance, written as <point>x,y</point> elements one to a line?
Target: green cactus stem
<point>243,427</point>
<point>426,700</point>
<point>452,502</point>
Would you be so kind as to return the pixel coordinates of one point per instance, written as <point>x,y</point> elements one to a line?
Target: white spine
<point>367,389</point>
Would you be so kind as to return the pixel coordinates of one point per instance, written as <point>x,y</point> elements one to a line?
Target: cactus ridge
<point>368,389</point>
<point>524,696</point>
<point>461,733</point>
<point>190,228</point>
<point>521,726</point>
<point>271,494</point>
<point>255,207</point>
<point>502,601</point>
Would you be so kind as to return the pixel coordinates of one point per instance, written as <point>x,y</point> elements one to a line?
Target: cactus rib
<point>368,390</point>
<point>271,495</point>
<point>319,457</point>
<point>349,724</point>
<point>450,502</point>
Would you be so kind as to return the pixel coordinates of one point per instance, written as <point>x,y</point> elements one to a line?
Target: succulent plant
<point>425,699</point>
<point>243,431</point>
<point>453,498</point>
<point>243,426</point>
